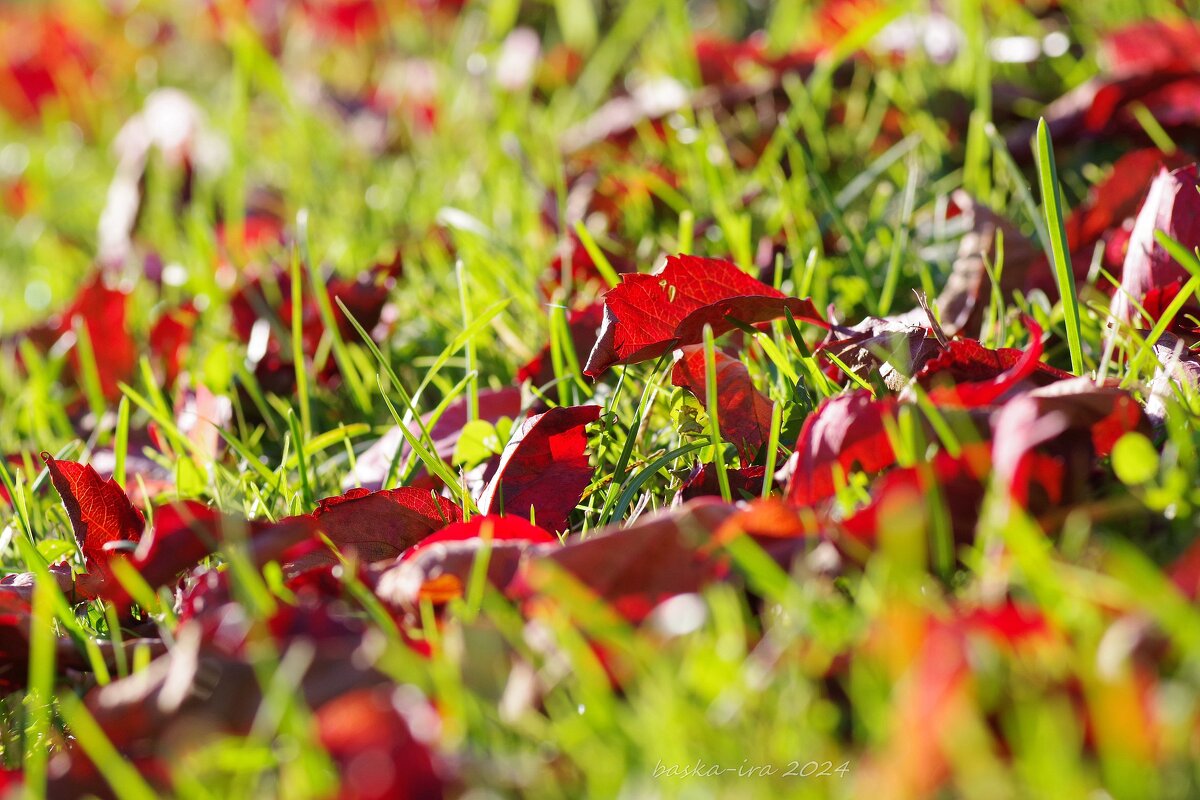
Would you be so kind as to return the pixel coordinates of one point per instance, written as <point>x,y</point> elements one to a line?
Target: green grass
<point>761,677</point>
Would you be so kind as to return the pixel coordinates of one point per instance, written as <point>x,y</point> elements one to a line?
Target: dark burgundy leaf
<point>196,689</point>
<point>544,469</point>
<point>895,348</point>
<point>376,526</point>
<point>743,412</point>
<point>703,482</point>
<point>963,301</point>
<point>648,315</point>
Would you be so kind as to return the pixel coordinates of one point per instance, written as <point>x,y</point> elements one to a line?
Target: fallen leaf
<point>544,469</point>
<point>648,315</point>
<point>743,412</point>
<point>844,432</point>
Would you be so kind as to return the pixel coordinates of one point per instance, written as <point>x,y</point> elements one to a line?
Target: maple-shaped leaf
<point>101,515</point>
<point>375,526</point>
<point>636,568</point>
<point>845,431</point>
<point>743,412</point>
<point>1150,275</point>
<point>544,469</point>
<point>648,315</point>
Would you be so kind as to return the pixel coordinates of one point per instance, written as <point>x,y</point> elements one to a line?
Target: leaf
<point>479,441</point>
<point>964,299</point>
<point>102,312</point>
<point>186,532</point>
<point>967,374</point>
<point>1074,421</point>
<point>583,323</point>
<point>743,412</point>
<point>844,432</point>
<point>635,568</point>
<point>438,568</point>
<point>544,468</point>
<point>702,482</point>
<point>374,526</point>
<point>1150,275</point>
<point>648,315</point>
<point>368,726</point>
<point>197,689</point>
<point>101,515</point>
<point>1106,214</point>
<point>895,348</point>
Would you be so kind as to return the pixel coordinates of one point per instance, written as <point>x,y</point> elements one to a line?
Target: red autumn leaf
<point>102,313</point>
<point>42,58</point>
<point>269,300</point>
<point>1149,47</point>
<point>101,515</point>
<point>635,568</point>
<point>957,481</point>
<point>171,337</point>
<point>349,20</point>
<point>1074,421</point>
<point>196,689</point>
<point>1150,63</point>
<point>376,526</point>
<point>544,469</point>
<point>369,727</point>
<point>496,528</point>
<point>437,569</point>
<point>743,412</point>
<point>703,482</point>
<point>583,324</point>
<point>1172,206</point>
<point>896,348</point>
<point>372,466</point>
<point>968,374</point>
<point>648,315</point>
<point>1107,213</point>
<point>844,432</point>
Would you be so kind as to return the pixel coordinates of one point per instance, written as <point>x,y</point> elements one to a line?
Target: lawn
<point>448,398</point>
